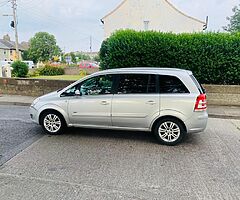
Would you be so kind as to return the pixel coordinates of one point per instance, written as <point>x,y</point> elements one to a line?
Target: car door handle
<point>151,102</point>
<point>104,103</point>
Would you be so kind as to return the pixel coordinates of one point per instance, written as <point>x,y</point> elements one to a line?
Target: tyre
<point>52,122</point>
<point>169,131</point>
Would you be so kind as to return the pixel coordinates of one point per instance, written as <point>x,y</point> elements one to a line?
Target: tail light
<point>201,103</point>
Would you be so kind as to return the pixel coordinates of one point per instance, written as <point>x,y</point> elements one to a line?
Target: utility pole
<point>90,44</point>
<point>14,7</point>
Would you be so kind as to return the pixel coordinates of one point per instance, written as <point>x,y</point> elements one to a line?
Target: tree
<point>73,57</point>
<point>234,21</point>
<point>82,56</point>
<point>96,58</point>
<point>43,47</point>
<point>25,55</point>
<point>20,69</point>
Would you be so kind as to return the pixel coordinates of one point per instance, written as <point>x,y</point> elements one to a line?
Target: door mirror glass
<point>77,93</point>
<point>71,91</point>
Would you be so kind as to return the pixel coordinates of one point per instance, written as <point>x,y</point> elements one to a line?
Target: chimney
<point>7,38</point>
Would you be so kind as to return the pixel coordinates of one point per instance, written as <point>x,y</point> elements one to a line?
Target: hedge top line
<point>213,57</point>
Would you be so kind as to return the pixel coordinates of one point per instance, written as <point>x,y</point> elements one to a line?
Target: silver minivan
<point>168,102</point>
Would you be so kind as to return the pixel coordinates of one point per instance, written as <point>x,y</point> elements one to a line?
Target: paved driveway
<point>91,164</point>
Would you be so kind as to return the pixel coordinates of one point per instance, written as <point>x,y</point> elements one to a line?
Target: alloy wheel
<point>169,131</point>
<point>52,123</point>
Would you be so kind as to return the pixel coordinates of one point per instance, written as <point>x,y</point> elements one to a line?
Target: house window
<point>11,52</point>
<point>146,25</point>
<point>5,52</point>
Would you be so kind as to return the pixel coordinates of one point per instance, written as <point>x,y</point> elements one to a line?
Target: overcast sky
<point>73,21</point>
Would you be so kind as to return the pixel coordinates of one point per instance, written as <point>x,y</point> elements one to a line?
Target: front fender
<point>54,107</point>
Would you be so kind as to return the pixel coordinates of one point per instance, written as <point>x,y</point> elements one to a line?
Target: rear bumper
<point>197,123</point>
<point>33,114</point>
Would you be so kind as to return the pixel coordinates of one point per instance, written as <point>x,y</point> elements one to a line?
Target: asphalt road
<point>17,131</point>
<point>93,164</point>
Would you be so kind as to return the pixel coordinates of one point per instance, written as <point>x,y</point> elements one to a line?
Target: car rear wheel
<point>169,131</point>
<point>52,123</point>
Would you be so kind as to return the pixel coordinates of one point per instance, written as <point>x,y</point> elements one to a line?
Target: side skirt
<point>110,127</point>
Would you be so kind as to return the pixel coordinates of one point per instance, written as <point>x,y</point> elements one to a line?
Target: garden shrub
<point>20,69</point>
<point>214,58</point>
<point>50,71</point>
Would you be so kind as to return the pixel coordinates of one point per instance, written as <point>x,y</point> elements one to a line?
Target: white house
<point>158,15</point>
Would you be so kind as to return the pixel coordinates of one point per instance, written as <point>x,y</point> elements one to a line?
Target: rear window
<point>171,85</point>
<point>199,86</point>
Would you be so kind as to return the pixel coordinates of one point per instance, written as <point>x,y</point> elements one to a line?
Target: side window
<point>171,85</point>
<point>100,85</point>
<point>136,84</point>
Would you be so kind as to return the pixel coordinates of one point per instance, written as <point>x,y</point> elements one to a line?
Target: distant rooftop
<point>6,43</point>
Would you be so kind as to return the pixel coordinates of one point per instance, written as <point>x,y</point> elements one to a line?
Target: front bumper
<point>33,114</point>
<point>197,123</point>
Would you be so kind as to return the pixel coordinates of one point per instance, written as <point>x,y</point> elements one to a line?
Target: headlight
<point>35,101</point>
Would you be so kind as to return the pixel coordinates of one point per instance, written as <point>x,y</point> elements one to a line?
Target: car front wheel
<point>52,123</point>
<point>169,131</point>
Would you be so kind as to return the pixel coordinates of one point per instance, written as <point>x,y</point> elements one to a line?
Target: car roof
<point>154,70</point>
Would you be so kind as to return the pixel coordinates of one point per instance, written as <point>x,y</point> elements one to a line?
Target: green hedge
<point>214,58</point>
<point>20,69</point>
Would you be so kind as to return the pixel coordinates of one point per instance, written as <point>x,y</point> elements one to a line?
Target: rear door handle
<point>151,102</point>
<point>104,103</point>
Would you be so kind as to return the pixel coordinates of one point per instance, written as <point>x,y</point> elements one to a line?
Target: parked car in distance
<point>168,102</point>
<point>88,65</point>
<point>30,64</point>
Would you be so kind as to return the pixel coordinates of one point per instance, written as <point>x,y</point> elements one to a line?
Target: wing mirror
<point>78,93</point>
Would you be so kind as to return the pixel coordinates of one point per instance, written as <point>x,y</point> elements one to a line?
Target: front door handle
<point>151,102</point>
<point>104,103</point>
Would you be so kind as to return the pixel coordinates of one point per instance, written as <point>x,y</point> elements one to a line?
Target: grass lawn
<point>62,77</point>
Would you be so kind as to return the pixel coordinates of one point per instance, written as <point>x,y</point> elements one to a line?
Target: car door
<point>92,107</point>
<point>136,101</point>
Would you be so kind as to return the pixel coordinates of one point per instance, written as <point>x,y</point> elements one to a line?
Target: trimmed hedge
<point>214,58</point>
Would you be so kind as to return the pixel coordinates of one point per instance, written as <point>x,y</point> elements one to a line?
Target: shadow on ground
<point>145,137</point>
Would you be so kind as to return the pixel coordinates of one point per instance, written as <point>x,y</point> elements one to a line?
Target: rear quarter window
<point>198,85</point>
<point>171,85</point>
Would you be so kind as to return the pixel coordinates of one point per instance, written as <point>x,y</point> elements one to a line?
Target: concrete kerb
<point>16,100</point>
<point>224,116</point>
<point>5,103</point>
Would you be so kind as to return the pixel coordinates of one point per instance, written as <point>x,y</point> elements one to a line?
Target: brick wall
<point>30,87</point>
<point>223,94</point>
